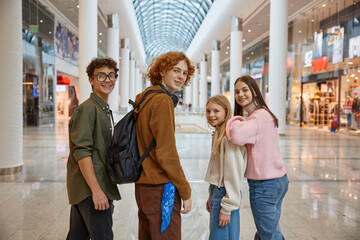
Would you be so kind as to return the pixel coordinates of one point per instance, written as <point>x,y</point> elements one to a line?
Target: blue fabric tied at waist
<point>167,205</point>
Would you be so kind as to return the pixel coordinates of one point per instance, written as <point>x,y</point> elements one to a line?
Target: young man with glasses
<point>89,187</point>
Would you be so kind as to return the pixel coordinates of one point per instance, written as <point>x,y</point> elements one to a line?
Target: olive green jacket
<point>90,133</point>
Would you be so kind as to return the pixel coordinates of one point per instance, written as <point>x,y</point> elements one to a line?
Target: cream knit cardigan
<point>227,170</point>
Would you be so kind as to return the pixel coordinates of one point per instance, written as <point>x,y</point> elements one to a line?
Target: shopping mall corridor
<point>322,201</point>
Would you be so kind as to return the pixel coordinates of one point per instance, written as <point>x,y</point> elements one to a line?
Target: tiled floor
<point>322,202</point>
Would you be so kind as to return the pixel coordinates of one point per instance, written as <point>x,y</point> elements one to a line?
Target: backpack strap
<point>153,143</point>
<point>144,97</point>
<point>146,153</point>
<point>132,103</point>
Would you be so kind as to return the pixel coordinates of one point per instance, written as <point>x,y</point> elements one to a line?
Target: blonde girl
<point>224,174</point>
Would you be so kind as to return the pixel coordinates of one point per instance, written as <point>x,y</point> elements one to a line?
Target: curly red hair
<point>166,62</point>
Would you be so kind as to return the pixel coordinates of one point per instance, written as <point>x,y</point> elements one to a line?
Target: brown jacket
<point>156,119</point>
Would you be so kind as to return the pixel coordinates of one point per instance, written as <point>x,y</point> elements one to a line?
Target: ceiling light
<point>324,5</point>
<point>50,32</point>
<point>312,20</point>
<point>348,80</point>
<point>245,40</point>
<point>352,75</point>
<point>100,41</point>
<point>350,62</point>
<point>100,34</point>
<point>299,31</point>
<point>356,78</point>
<point>41,21</point>
<point>228,47</point>
<point>78,6</point>
<point>252,53</point>
<point>226,52</point>
<point>249,30</point>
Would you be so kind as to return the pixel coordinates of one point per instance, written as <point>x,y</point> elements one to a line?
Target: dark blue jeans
<point>86,222</point>
<point>348,116</point>
<point>266,197</point>
<point>228,232</point>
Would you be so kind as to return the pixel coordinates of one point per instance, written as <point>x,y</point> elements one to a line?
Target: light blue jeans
<point>266,197</point>
<point>228,232</point>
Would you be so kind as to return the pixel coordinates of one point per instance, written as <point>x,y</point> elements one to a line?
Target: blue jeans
<point>228,232</point>
<point>266,197</point>
<point>348,116</point>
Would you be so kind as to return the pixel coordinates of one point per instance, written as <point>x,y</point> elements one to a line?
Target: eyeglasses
<point>101,77</point>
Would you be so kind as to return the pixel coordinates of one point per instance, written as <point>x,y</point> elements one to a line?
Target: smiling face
<point>215,114</point>
<point>243,95</point>
<point>102,89</point>
<point>175,78</point>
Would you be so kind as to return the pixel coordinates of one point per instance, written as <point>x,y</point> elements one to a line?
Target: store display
<point>321,108</point>
<point>319,104</point>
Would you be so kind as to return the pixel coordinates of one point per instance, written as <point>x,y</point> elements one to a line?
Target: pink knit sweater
<point>260,136</point>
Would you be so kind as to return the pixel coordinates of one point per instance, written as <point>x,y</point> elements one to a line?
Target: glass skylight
<point>169,25</point>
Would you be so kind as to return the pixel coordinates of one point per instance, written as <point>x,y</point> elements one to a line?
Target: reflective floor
<point>322,202</point>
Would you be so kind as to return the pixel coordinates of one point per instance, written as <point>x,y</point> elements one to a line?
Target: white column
<point>124,77</point>
<point>187,94</point>
<point>132,76</point>
<point>141,79</point>
<point>141,83</point>
<point>148,83</point>
<point>235,54</point>
<point>203,82</point>
<point>11,102</point>
<point>138,85</point>
<point>195,88</point>
<point>88,43</point>
<point>113,52</point>
<point>277,60</point>
<point>215,68</point>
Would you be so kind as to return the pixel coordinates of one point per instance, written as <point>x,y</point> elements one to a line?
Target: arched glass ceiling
<point>169,25</point>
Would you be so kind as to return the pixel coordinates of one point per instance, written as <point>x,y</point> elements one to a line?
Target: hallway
<point>322,202</point>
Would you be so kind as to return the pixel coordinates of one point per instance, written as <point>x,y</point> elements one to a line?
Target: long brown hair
<point>257,98</point>
<point>222,101</point>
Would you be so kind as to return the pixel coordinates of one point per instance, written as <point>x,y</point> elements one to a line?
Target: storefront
<point>38,65</point>
<point>324,79</point>
<point>67,97</point>
<point>318,103</point>
<point>67,60</point>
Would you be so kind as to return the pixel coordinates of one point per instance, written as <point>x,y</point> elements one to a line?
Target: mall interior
<point>304,55</point>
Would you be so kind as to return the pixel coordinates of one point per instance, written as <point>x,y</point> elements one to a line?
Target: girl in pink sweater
<point>265,170</point>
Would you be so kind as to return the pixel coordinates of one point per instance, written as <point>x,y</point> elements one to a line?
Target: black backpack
<point>124,163</point>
